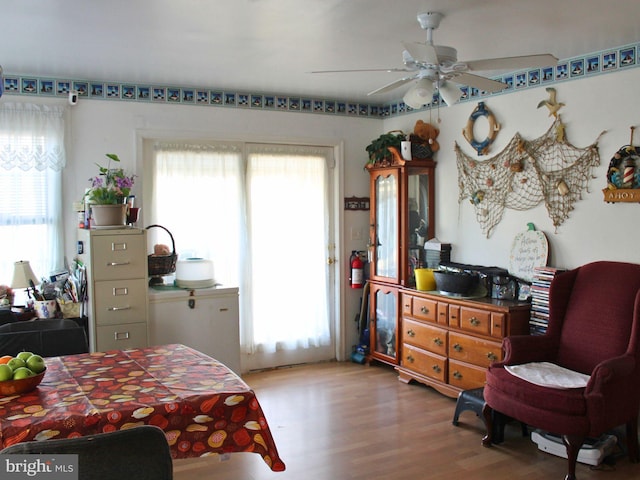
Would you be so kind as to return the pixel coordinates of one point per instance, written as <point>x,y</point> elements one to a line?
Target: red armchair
<point>594,329</point>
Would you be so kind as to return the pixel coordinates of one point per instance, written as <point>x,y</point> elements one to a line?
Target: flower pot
<point>109,215</point>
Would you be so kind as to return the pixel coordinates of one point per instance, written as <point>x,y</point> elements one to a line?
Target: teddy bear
<point>426,133</point>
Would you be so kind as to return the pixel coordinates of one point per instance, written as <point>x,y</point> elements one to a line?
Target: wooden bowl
<point>23,385</point>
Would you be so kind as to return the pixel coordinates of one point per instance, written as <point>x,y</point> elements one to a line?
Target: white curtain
<point>32,157</point>
<point>260,213</point>
<point>198,196</point>
<point>288,219</point>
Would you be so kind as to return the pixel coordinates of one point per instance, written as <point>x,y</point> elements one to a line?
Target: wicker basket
<point>420,148</point>
<point>162,264</point>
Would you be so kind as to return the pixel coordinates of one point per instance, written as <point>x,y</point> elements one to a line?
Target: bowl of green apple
<point>21,373</point>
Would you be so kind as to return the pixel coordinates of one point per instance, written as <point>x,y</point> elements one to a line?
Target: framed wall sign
<point>356,203</point>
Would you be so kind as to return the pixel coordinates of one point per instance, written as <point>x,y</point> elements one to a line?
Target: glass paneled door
<point>384,226</point>
<point>291,281</point>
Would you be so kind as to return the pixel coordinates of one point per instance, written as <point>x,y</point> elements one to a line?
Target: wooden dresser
<point>448,342</point>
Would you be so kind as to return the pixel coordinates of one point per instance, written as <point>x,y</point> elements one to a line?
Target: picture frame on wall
<point>357,203</point>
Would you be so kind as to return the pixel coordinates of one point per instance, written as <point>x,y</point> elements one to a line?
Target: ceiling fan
<point>437,67</point>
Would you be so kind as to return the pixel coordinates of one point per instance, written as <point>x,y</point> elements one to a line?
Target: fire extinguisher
<point>357,271</point>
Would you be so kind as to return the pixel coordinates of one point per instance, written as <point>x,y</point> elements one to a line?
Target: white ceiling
<point>269,46</point>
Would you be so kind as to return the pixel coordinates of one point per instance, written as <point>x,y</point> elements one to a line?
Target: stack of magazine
<point>542,277</point>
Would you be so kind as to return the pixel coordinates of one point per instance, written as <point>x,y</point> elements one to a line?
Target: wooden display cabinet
<point>441,341</point>
<point>402,218</point>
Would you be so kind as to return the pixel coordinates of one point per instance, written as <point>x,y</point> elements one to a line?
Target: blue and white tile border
<point>606,61</point>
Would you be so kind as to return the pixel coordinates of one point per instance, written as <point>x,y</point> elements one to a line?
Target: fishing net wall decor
<point>525,173</point>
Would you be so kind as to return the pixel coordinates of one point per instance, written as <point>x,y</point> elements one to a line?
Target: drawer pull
<point>438,341</point>
<point>457,375</point>
<point>457,347</point>
<point>424,310</point>
<point>474,321</point>
<point>118,247</point>
<point>436,368</point>
<point>118,264</point>
<point>410,358</point>
<point>121,335</point>
<point>411,333</point>
<point>492,356</point>
<point>118,309</point>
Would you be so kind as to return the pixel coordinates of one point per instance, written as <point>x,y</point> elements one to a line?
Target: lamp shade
<point>22,273</point>
<point>450,93</point>
<point>420,94</point>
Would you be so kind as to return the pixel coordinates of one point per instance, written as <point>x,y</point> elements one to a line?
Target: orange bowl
<point>23,385</point>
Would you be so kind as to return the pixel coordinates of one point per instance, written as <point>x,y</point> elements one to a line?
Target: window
<point>31,160</point>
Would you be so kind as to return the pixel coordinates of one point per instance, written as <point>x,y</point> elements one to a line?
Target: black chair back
<point>137,453</point>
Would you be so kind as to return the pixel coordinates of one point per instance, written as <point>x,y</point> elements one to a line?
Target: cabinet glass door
<point>386,228</point>
<point>420,226</point>
<point>385,317</point>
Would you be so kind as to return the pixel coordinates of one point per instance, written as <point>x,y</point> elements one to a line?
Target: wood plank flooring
<point>343,421</point>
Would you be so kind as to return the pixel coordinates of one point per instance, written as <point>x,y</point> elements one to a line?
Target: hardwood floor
<point>343,421</point>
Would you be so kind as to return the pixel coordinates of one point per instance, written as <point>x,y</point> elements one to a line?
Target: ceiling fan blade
<point>476,81</point>
<point>390,86</point>
<point>389,70</point>
<point>422,52</point>
<point>513,63</point>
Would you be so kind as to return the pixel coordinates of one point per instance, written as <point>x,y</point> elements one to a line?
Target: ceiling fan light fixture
<point>450,93</point>
<point>420,94</point>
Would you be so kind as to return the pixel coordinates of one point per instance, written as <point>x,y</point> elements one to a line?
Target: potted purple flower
<point>108,193</point>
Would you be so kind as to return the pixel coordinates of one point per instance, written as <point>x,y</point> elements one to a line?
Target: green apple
<point>36,364</point>
<point>22,372</point>
<point>15,363</point>
<point>6,373</point>
<point>24,355</point>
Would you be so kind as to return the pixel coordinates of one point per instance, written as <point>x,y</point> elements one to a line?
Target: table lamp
<point>23,276</point>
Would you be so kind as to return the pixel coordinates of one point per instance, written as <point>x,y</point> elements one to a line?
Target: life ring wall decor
<point>482,147</point>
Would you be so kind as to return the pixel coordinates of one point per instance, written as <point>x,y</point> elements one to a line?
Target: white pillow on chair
<point>548,374</point>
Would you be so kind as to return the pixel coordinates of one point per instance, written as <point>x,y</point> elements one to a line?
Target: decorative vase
<point>109,215</point>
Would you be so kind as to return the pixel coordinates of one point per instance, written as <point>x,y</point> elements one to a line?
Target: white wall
<point>595,230</point>
<point>98,127</point>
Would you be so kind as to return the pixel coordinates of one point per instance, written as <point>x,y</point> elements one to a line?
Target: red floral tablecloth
<point>202,406</point>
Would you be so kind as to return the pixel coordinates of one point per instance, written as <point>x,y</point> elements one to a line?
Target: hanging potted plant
<point>108,193</point>
<point>378,149</point>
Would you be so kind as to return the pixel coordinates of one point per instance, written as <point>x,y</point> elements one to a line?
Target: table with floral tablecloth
<point>202,406</point>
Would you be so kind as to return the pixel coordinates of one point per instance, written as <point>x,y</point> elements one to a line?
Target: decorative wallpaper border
<point>606,61</point>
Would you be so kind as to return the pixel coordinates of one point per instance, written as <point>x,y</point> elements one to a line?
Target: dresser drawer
<point>465,376</point>
<point>424,309</point>
<point>424,336</point>
<point>121,337</point>
<point>476,321</point>
<point>426,363</point>
<point>119,256</point>
<point>473,350</point>
<point>120,301</point>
